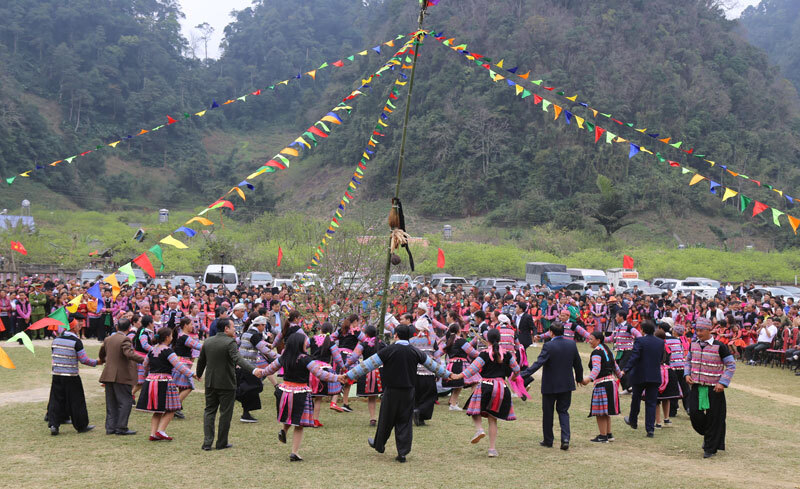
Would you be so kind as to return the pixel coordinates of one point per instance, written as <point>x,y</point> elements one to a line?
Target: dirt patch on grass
<point>783,398</point>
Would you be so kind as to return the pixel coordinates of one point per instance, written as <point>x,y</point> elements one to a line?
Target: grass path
<point>763,429</point>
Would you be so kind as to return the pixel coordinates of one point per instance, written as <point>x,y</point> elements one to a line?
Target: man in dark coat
<point>644,369</point>
<point>560,358</point>
<point>221,356</point>
<point>525,325</point>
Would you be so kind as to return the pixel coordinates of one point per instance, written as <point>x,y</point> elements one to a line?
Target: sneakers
<point>492,452</point>
<point>163,436</point>
<point>658,426</point>
<point>346,408</point>
<point>247,418</point>
<point>477,437</point>
<point>317,424</point>
<point>600,439</point>
<point>282,436</point>
<point>667,421</point>
<point>610,437</point>
<point>455,408</point>
<point>336,408</point>
<point>179,414</point>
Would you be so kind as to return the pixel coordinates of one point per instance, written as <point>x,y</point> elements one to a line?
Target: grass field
<point>763,433</point>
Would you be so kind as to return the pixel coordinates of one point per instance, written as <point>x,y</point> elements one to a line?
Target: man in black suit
<point>399,372</point>
<point>525,326</point>
<point>644,369</point>
<point>559,357</point>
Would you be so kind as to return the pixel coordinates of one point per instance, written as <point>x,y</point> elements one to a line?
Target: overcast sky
<point>217,13</point>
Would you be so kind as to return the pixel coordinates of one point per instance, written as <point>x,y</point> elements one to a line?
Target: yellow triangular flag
<point>642,148</point>
<point>710,162</point>
<point>362,53</point>
<point>573,98</point>
<point>641,130</point>
<point>518,88</point>
<point>780,192</point>
<point>201,113</point>
<point>729,193</point>
<point>74,303</point>
<point>312,74</point>
<point>290,151</point>
<point>284,82</point>
<point>26,174</point>
<point>302,141</point>
<point>594,112</point>
<point>201,220</point>
<point>114,144</point>
<point>696,179</point>
<point>112,280</point>
<point>255,174</point>
<point>239,191</point>
<point>579,120</point>
<point>500,64</point>
<point>169,240</point>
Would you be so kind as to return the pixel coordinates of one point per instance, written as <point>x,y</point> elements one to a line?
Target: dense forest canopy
<point>679,68</point>
<point>774,26</point>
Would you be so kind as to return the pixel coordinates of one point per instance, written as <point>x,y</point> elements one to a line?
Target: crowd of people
<point>673,351</point>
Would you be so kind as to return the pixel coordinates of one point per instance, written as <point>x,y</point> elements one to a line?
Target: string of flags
<point>656,136</point>
<point>281,161</point>
<point>214,105</point>
<point>379,131</point>
<point>601,134</point>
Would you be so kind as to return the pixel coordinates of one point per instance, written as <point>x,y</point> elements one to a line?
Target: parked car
<point>629,283</point>
<point>419,279</point>
<point>139,277</point>
<point>439,283</point>
<point>580,286</point>
<point>699,289</point>
<point>667,283</point>
<point>217,275</point>
<point>656,282</point>
<point>258,279</point>
<point>704,281</point>
<point>90,275</point>
<point>776,292</point>
<point>280,282</point>
<point>646,290</point>
<point>399,278</point>
<point>175,280</point>
<point>485,284</point>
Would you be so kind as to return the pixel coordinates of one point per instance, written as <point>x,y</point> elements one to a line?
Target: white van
<point>217,275</point>
<point>587,275</point>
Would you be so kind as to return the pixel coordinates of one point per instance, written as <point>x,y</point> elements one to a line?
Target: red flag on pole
<point>627,262</point>
<point>17,246</point>
<point>440,259</point>
<point>280,255</point>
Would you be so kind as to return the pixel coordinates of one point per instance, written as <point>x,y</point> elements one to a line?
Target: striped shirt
<point>67,351</point>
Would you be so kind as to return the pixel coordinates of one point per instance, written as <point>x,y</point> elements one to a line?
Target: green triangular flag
<point>661,158</point>
<point>60,315</point>
<point>128,270</point>
<point>589,126</point>
<point>156,250</point>
<point>607,115</point>
<point>351,58</point>
<point>545,105</point>
<point>324,65</point>
<point>744,202</point>
<point>610,137</point>
<point>685,170</point>
<point>10,180</point>
<point>629,124</point>
<point>676,145</point>
<point>526,93</point>
<point>537,82</point>
<point>24,338</point>
<point>344,198</point>
<point>775,215</point>
<point>560,93</point>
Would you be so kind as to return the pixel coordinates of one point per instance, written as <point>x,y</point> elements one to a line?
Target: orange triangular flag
<point>5,361</point>
<point>557,111</point>
<point>312,74</point>
<point>697,179</point>
<point>665,140</point>
<point>143,131</point>
<point>794,222</point>
<point>239,191</point>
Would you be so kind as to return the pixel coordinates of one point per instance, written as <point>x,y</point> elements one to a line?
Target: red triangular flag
<point>338,64</point>
<point>536,99</point>
<point>93,253</point>
<point>758,208</point>
<point>280,256</point>
<point>317,132</point>
<point>144,264</point>
<point>627,262</point>
<point>440,259</point>
<point>17,246</point>
<point>170,120</point>
<point>598,131</point>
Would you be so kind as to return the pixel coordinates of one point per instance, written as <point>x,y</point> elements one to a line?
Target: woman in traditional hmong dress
<point>370,385</point>
<point>492,398</point>
<point>459,353</point>
<point>160,394</point>
<point>185,346</point>
<point>293,395</point>
<point>324,350</point>
<point>604,372</point>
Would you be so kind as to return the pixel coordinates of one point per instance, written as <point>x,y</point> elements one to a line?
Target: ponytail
<point>452,333</point>
<point>493,337</point>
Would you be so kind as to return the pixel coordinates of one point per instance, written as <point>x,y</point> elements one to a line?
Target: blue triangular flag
<point>724,167</point>
<point>634,150</point>
<point>298,76</point>
<point>713,186</point>
<point>568,116</point>
<point>94,291</point>
<point>653,135</point>
<point>369,152</point>
<point>248,184</point>
<point>214,103</point>
<point>377,49</point>
<point>186,231</point>
<point>39,167</point>
<point>584,104</point>
<point>512,70</point>
<point>510,82</point>
<point>791,200</point>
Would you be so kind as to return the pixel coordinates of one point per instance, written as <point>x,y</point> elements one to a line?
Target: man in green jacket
<point>220,355</point>
<point>37,299</point>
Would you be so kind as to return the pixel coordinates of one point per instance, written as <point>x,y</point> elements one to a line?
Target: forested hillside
<point>774,26</point>
<point>78,73</point>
